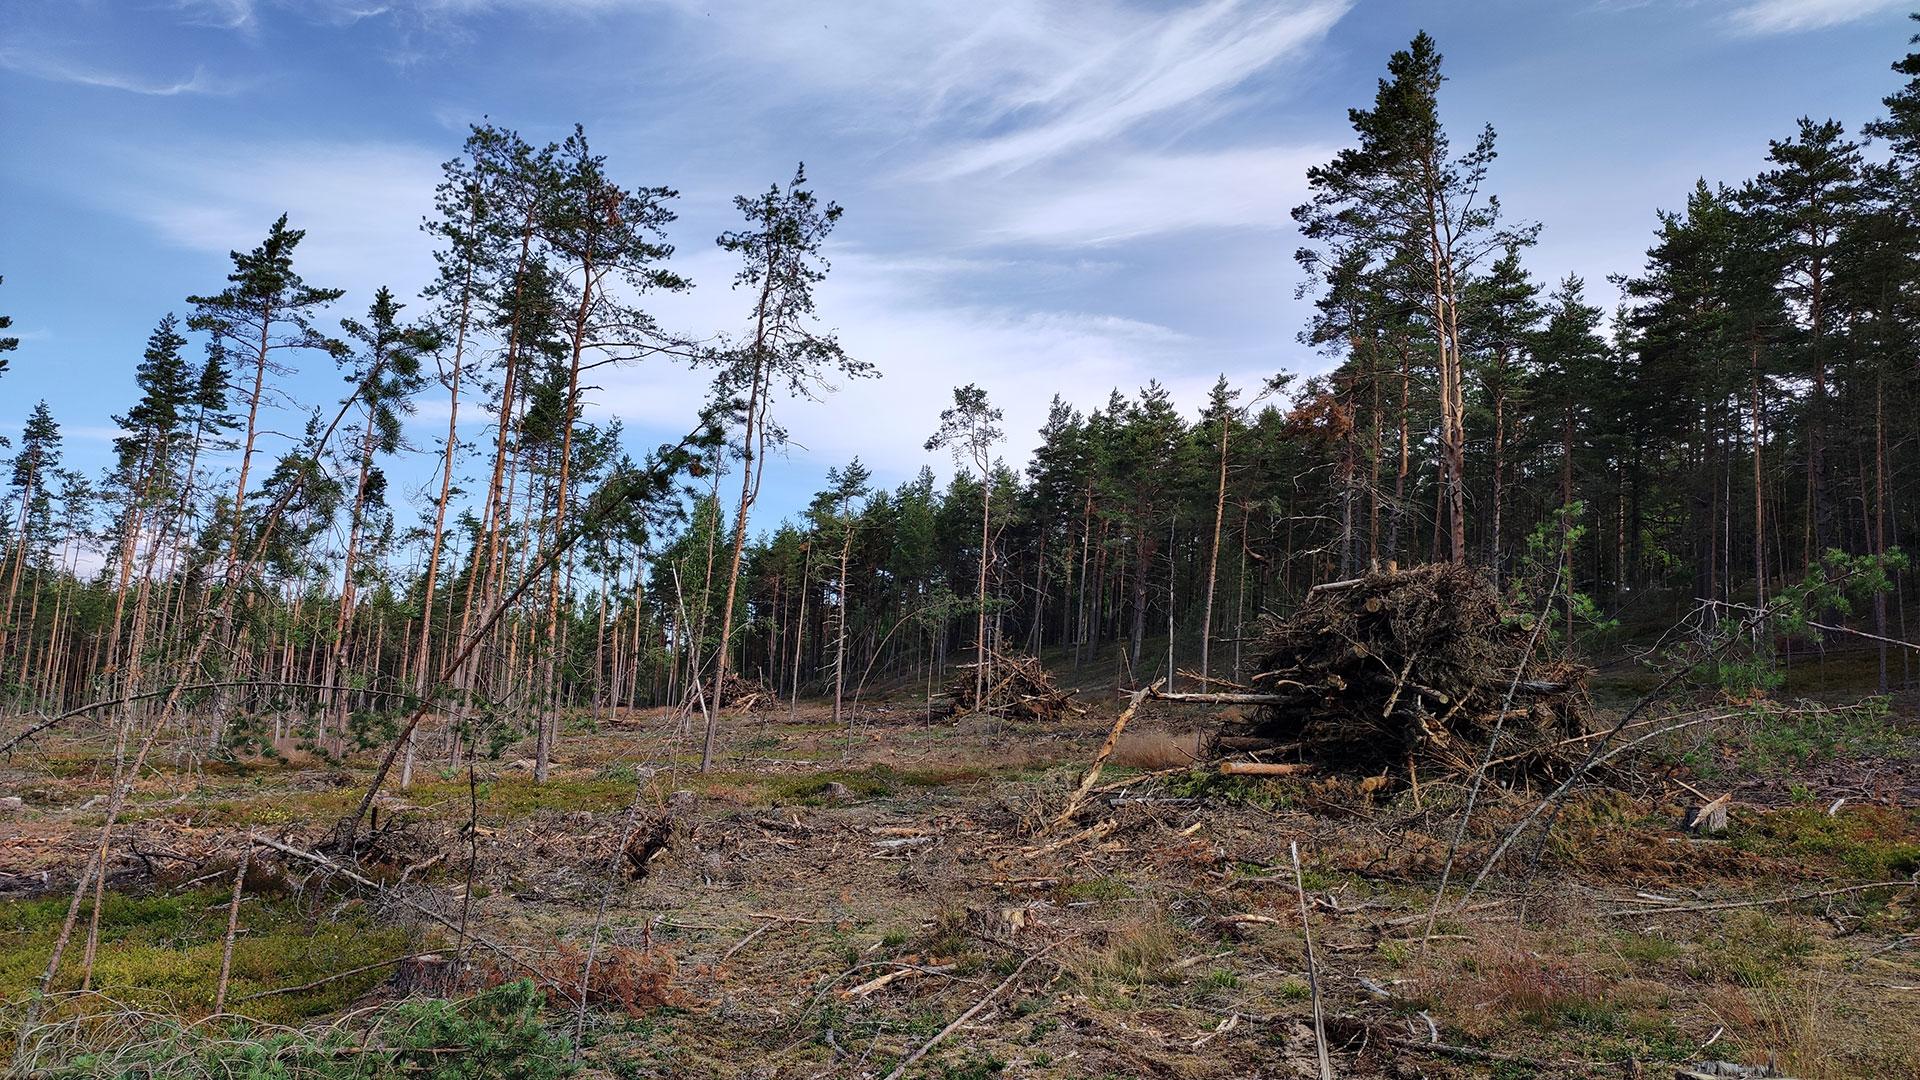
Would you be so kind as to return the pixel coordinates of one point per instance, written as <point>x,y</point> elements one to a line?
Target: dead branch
<point>1106,751</point>
<point>907,1062</point>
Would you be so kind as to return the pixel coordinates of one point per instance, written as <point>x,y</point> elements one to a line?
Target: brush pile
<point>1411,669</point>
<point>741,694</point>
<point>1018,687</point>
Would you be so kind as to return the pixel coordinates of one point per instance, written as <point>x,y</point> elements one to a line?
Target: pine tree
<point>1811,196</point>
<point>1222,415</point>
<point>35,467</point>
<point>1401,190</point>
<point>969,429</point>
<point>1503,310</point>
<point>605,236</point>
<point>147,454</point>
<point>781,262</point>
<point>835,514</point>
<point>384,368</point>
<point>7,344</point>
<point>266,310</point>
<point>468,223</point>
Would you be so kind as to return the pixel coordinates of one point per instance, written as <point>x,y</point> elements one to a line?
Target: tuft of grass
<point>1752,949</point>
<point>1488,993</point>
<point>1140,952</point>
<point>1646,948</point>
<point>1219,979</point>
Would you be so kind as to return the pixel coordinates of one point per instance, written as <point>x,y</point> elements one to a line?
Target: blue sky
<point>1042,195</point>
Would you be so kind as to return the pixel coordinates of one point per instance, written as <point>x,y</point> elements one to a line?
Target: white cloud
<point>1788,16</point>
<point>224,14</point>
<point>1135,195</point>
<point>361,204</point>
<point>53,69</point>
<point>994,143</point>
<point>1158,67</point>
<point>901,315</point>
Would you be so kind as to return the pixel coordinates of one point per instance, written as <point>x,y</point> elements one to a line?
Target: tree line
<point>1746,408</point>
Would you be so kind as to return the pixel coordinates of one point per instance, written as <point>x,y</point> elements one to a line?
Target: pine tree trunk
<point>1213,555</point>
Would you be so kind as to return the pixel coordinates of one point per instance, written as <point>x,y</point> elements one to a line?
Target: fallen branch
<point>1819,625</point>
<point>1474,1053</point>
<point>891,977</point>
<point>332,866</point>
<point>1106,751</point>
<point>1091,832</point>
<point>1229,698</point>
<point>1313,974</point>
<point>749,939</point>
<point>1116,785</point>
<point>907,1062</point>
<point>1728,905</point>
<point>233,931</point>
<point>335,977</point>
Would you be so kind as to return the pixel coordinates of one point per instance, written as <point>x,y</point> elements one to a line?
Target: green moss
<point>1873,843</point>
<point>496,1033</point>
<point>1100,888</point>
<point>877,781</point>
<point>1266,793</point>
<point>163,952</point>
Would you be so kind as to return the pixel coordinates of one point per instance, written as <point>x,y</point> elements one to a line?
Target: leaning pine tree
<point>781,263</point>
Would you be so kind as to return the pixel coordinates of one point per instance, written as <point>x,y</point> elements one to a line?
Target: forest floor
<point>832,897</point>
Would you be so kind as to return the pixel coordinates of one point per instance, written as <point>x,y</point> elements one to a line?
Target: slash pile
<point>1411,668</point>
<point>1016,686</point>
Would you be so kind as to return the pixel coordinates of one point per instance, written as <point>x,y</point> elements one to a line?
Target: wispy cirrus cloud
<point>40,65</point>
<point>1789,16</point>
<point>1128,197</point>
<point>224,14</point>
<point>361,203</point>
<point>1163,66</point>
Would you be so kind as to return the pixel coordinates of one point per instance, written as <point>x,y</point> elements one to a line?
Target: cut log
<point>1265,768</point>
<point>1228,698</point>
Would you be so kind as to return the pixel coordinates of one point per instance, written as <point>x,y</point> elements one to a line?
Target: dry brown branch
<point>1106,751</point>
<point>1728,905</point>
<point>908,1061</point>
<point>1313,971</point>
<point>233,930</point>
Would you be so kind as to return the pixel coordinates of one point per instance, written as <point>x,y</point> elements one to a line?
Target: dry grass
<point>1169,922</point>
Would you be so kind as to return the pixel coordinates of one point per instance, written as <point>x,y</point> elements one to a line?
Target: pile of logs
<point>1017,687</point>
<point>1411,669</point>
